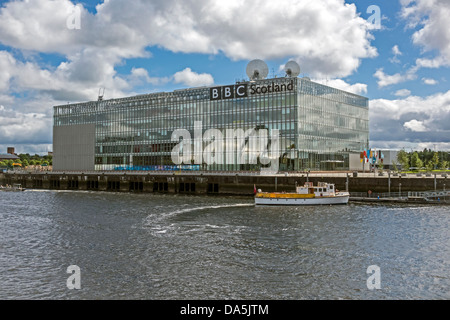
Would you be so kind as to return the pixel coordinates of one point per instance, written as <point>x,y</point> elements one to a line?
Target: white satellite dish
<point>257,70</point>
<point>292,69</point>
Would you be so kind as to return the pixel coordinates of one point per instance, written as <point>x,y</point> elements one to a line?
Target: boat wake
<point>154,219</point>
<point>212,207</point>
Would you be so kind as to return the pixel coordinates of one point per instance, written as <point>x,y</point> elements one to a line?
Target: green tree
<point>415,161</point>
<point>403,159</point>
<point>25,163</point>
<point>435,160</point>
<point>429,165</point>
<point>394,166</point>
<point>425,155</point>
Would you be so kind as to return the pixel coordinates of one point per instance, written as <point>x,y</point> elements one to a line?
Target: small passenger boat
<point>15,187</point>
<point>322,194</point>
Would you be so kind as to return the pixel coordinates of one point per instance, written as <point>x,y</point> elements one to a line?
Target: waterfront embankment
<point>225,183</point>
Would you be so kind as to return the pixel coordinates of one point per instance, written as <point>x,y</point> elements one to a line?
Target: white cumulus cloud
<point>357,88</point>
<point>396,51</point>
<point>431,20</point>
<point>411,120</point>
<point>193,79</point>
<point>414,125</point>
<point>402,93</point>
<point>327,36</point>
<point>387,80</point>
<point>429,81</point>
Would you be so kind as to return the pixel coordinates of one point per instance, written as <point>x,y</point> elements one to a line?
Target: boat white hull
<point>338,199</point>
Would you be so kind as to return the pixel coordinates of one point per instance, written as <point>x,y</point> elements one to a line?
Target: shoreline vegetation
<point>421,161</point>
<point>29,162</point>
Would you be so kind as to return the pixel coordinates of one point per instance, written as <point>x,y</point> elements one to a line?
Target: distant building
<point>385,158</point>
<point>9,156</point>
<point>6,157</point>
<point>390,157</point>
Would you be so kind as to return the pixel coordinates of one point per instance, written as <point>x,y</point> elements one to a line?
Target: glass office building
<point>318,127</point>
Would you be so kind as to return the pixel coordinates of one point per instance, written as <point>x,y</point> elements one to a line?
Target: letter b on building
<point>374,280</point>
<point>215,93</point>
<point>74,281</point>
<point>228,92</point>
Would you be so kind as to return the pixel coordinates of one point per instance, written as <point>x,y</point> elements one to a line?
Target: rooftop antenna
<point>257,70</point>
<point>292,69</point>
<point>101,94</point>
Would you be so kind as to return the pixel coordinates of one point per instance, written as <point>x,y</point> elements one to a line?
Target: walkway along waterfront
<point>367,186</point>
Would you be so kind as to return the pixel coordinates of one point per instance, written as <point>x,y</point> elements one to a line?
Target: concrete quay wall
<point>219,183</point>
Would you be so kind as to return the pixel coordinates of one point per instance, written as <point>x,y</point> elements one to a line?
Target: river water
<point>145,246</point>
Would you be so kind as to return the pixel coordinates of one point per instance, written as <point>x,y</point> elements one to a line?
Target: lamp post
<point>389,183</point>
<point>435,185</point>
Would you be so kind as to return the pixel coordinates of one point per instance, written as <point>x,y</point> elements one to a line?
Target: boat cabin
<point>321,190</point>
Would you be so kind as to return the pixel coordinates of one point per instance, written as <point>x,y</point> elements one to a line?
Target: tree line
<point>26,160</point>
<point>423,160</point>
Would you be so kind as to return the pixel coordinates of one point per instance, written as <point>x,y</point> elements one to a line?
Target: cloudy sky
<point>396,53</point>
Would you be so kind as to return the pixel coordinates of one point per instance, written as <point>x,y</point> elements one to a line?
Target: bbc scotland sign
<point>241,90</point>
<point>229,92</point>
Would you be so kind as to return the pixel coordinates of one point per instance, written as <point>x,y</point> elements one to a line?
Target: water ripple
<point>136,246</point>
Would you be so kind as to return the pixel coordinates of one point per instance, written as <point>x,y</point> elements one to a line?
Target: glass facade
<point>318,125</point>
